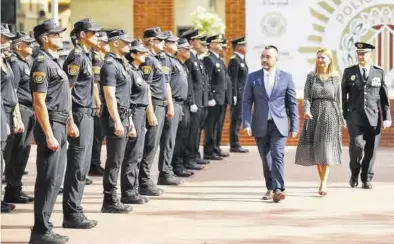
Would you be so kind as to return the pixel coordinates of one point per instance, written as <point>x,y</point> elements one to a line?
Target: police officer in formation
<point>19,144</point>
<point>116,117</point>
<point>158,79</point>
<point>98,55</point>
<point>140,100</point>
<point>216,72</point>
<point>179,90</point>
<point>51,104</point>
<point>78,66</point>
<point>238,71</point>
<point>365,105</point>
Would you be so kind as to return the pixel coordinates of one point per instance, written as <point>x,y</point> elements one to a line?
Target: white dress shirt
<point>368,67</point>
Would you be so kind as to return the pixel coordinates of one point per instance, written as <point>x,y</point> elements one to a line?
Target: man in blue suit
<point>271,93</point>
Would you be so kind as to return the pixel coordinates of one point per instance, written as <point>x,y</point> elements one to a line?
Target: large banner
<point>300,27</point>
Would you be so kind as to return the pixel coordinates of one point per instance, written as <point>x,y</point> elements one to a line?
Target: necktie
<point>365,75</point>
<point>269,84</point>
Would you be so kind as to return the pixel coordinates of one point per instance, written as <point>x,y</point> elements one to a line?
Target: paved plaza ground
<point>221,205</point>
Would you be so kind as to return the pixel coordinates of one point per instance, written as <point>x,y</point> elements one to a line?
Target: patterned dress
<point>320,142</point>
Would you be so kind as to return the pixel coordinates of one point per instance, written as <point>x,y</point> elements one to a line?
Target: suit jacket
<point>238,70</point>
<point>283,97</point>
<point>216,72</point>
<point>197,79</point>
<point>364,99</point>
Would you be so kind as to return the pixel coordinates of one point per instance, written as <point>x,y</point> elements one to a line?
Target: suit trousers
<point>50,170</point>
<point>212,129</point>
<point>78,155</point>
<point>193,139</point>
<point>219,130</point>
<point>133,155</point>
<point>152,139</point>
<point>167,141</point>
<point>235,124</point>
<point>271,149</point>
<point>364,140</point>
<point>18,150</point>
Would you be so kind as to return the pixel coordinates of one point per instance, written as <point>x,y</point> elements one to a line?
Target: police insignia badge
<point>96,70</point>
<point>146,69</point>
<point>376,82</point>
<point>353,77</point>
<point>360,45</point>
<point>166,70</point>
<point>72,69</point>
<point>38,77</point>
<point>242,65</point>
<point>40,58</point>
<point>217,65</point>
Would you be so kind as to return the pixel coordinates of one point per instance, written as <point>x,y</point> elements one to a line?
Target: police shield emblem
<point>72,69</point>
<point>146,69</point>
<point>165,69</point>
<point>353,77</point>
<point>38,77</point>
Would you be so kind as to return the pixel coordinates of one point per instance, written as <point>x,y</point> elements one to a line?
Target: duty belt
<point>158,102</point>
<point>59,117</point>
<point>124,112</point>
<point>88,111</point>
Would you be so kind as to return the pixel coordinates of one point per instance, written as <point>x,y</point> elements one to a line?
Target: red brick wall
<point>149,13</point>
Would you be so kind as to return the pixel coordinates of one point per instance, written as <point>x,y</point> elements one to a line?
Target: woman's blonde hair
<point>331,67</point>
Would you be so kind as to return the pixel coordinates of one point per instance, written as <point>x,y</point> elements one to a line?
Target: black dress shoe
<point>88,181</point>
<point>183,172</point>
<point>79,223</point>
<point>353,182</point>
<point>135,199</point>
<point>213,157</point>
<point>224,154</point>
<point>239,150</point>
<point>193,166</point>
<point>150,191</point>
<point>169,181</point>
<point>116,207</point>
<point>96,171</point>
<point>48,237</point>
<point>16,195</point>
<point>367,185</point>
<point>202,161</point>
<point>6,208</point>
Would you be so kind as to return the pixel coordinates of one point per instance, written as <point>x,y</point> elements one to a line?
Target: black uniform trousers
<point>167,141</point>
<point>152,139</point>
<point>17,150</point>
<point>10,137</point>
<point>235,124</point>
<point>212,129</point>
<point>203,122</point>
<point>364,140</point>
<point>78,155</point>
<point>133,155</point>
<point>50,169</point>
<point>116,146</point>
<point>219,129</point>
<point>182,138</point>
<point>98,138</point>
<point>193,140</point>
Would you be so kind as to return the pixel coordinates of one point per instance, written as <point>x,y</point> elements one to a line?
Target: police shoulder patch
<point>166,70</point>
<point>146,69</point>
<point>38,77</point>
<point>96,70</point>
<point>73,69</point>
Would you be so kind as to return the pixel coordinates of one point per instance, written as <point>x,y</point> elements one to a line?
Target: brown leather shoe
<point>278,196</point>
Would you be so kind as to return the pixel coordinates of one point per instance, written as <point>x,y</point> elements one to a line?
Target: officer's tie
<point>365,75</point>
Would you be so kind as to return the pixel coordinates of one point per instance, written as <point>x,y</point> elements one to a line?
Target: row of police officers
<point>140,95</point>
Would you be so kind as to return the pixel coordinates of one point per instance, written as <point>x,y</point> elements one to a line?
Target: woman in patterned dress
<point>320,142</point>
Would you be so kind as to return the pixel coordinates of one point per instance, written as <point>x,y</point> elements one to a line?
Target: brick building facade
<point>161,13</point>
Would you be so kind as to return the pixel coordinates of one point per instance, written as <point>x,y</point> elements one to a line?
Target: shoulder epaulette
<point>13,58</point>
<point>377,67</point>
<point>109,60</point>
<point>40,58</point>
<point>233,57</point>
